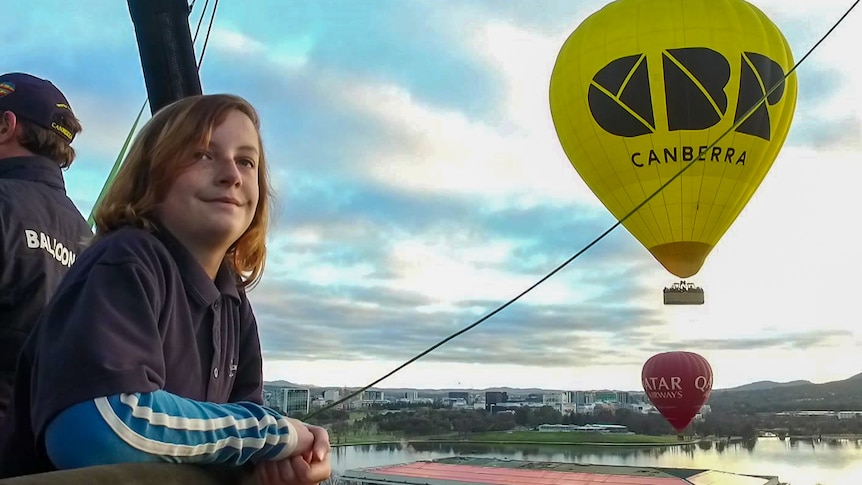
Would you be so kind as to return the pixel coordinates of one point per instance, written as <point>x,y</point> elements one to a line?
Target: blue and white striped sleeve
<point>163,427</point>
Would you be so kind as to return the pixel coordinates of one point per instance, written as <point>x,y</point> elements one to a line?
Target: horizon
<point>420,184</point>
<point>552,389</point>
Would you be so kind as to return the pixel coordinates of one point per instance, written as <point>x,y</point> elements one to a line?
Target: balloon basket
<point>683,293</point>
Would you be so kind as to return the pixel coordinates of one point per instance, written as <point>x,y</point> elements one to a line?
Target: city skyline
<point>420,184</point>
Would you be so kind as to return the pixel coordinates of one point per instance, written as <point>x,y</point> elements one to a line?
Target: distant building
<point>296,400</point>
<point>643,408</point>
<point>555,398</point>
<point>586,408</point>
<point>454,402</point>
<point>623,397</point>
<point>269,398</point>
<point>411,396</point>
<point>331,395</point>
<point>587,428</point>
<point>459,395</point>
<point>369,398</point>
<point>582,397</point>
<point>495,397</point>
<point>288,399</point>
<point>704,410</point>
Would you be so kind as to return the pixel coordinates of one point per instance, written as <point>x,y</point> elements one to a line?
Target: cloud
<point>513,158</point>
<point>824,118</point>
<point>342,289</point>
<point>555,15</point>
<point>419,242</point>
<point>306,322</point>
<point>411,46</point>
<point>825,133</point>
<point>785,341</point>
<point>90,22</point>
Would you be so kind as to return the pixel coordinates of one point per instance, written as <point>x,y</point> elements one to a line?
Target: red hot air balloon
<point>677,384</point>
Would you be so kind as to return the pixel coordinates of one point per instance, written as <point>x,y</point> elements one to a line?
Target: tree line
<point>446,421</point>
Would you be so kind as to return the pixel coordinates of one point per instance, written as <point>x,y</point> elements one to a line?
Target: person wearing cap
<point>41,230</point>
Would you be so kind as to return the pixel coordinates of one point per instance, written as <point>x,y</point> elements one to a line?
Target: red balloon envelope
<point>678,384</point>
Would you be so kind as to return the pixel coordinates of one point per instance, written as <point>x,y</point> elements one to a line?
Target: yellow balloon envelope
<point>643,87</point>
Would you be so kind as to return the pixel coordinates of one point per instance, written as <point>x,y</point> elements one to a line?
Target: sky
<point>420,184</point>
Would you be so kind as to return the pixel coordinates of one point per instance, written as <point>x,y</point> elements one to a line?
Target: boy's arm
<point>163,427</point>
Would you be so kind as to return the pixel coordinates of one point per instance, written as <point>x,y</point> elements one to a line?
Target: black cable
<point>207,38</point>
<point>200,21</point>
<point>596,240</point>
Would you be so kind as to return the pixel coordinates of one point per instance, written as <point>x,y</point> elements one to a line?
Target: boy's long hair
<point>159,154</point>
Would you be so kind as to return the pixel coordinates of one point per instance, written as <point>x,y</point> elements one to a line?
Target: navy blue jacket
<point>138,326</point>
<point>41,235</point>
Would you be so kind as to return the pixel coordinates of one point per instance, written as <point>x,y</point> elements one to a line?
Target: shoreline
<point>823,436</point>
<point>452,441</point>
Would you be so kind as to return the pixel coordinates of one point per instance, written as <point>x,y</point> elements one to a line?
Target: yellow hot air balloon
<point>643,87</point>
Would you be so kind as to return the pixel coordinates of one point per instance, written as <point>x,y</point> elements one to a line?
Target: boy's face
<point>213,201</point>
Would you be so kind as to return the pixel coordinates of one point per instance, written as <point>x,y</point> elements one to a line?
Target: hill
<point>843,395</point>
<point>763,385</point>
<point>286,384</point>
<point>428,391</point>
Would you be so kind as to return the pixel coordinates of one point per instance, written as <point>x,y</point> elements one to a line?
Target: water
<point>797,462</point>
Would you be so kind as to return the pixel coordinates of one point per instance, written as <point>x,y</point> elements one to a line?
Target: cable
<point>200,20</point>
<point>207,38</point>
<point>596,240</point>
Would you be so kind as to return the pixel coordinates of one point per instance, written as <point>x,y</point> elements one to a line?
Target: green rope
<point>119,161</point>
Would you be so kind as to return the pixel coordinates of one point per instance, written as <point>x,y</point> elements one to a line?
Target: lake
<point>797,462</point>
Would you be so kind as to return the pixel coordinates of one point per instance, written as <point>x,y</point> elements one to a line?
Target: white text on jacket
<point>40,240</point>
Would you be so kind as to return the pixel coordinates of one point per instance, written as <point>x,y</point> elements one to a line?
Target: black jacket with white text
<point>42,232</point>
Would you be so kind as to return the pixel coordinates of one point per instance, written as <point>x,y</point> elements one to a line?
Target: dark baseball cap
<point>36,100</point>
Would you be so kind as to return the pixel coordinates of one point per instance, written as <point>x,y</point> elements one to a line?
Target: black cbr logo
<point>694,90</point>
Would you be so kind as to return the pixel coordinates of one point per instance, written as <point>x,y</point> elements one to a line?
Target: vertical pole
<point>166,49</point>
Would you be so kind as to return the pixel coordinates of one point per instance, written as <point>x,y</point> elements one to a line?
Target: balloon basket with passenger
<point>683,293</point>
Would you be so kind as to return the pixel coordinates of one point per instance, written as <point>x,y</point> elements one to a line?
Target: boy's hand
<point>309,467</point>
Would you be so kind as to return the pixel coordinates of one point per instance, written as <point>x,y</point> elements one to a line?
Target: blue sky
<point>421,184</point>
